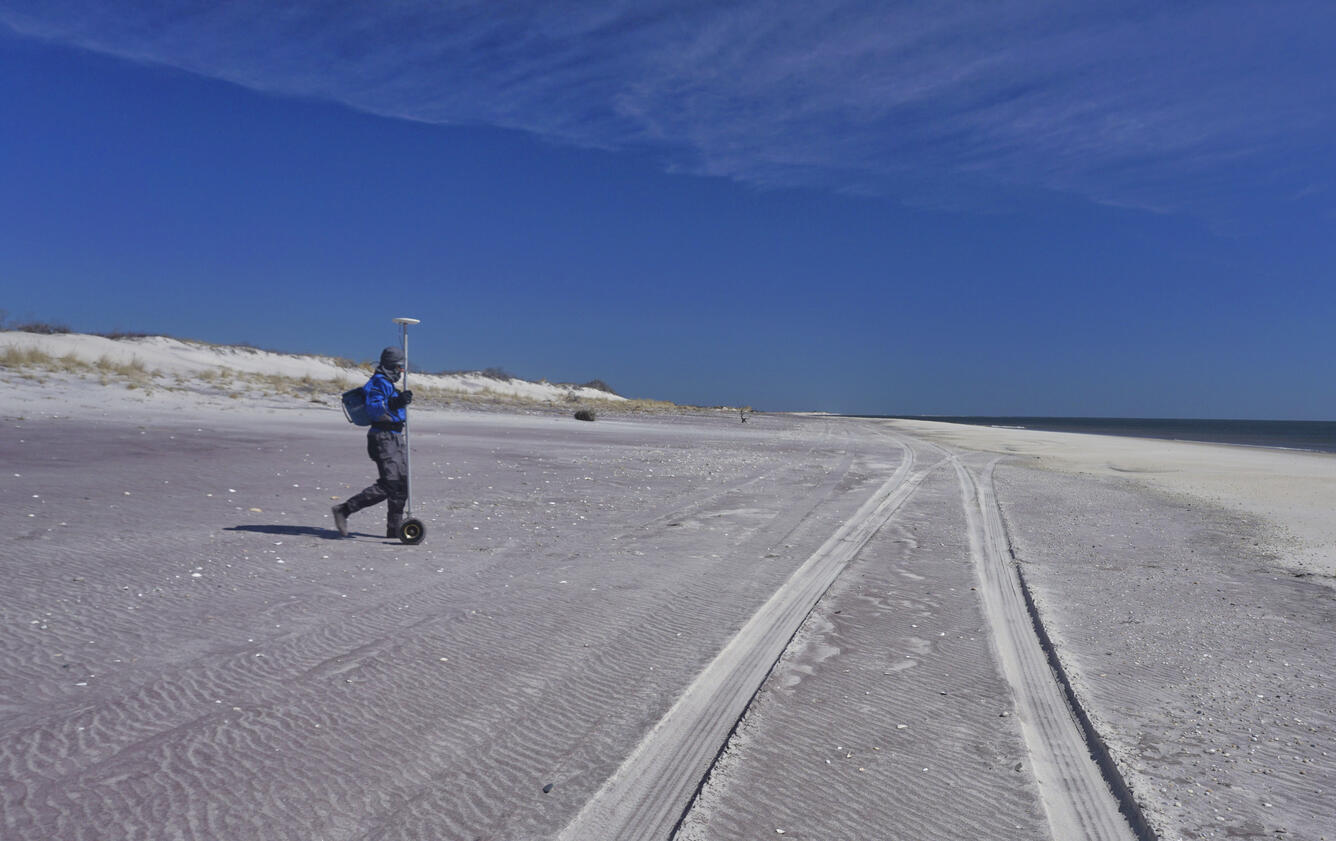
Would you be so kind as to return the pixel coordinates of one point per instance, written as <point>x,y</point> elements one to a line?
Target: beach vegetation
<point>648,406</point>
<point>221,380</point>
<point>103,368</point>
<point>134,369</point>
<point>306,386</point>
<point>17,357</point>
<point>40,327</point>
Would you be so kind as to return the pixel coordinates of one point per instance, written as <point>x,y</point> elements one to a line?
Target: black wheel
<point>412,531</point>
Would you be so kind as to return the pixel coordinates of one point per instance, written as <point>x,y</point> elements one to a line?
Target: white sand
<point>167,358</point>
<point>1293,492</point>
<point>578,579</point>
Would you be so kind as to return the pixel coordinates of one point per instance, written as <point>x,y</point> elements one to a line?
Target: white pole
<point>408,451</point>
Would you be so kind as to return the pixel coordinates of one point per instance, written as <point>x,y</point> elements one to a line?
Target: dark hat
<point>391,357</point>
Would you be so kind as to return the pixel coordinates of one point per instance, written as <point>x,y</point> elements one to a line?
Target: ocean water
<point>1315,436</point>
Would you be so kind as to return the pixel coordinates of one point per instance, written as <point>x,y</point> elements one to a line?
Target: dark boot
<point>340,519</point>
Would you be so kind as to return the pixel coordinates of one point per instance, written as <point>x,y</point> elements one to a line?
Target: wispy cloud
<point>1145,104</point>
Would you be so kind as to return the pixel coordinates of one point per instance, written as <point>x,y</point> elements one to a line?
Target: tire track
<point>648,795</point>
<point>1078,794</point>
<point>900,638</point>
<point>305,723</point>
<point>677,512</point>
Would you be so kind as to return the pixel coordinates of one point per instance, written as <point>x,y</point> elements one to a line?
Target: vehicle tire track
<point>1077,794</point>
<point>650,792</point>
<point>677,511</point>
<point>238,722</point>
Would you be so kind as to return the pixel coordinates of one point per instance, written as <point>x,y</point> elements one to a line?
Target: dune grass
<point>35,359</point>
<point>35,364</point>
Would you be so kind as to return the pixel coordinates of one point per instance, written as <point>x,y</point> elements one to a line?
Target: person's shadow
<point>291,531</point>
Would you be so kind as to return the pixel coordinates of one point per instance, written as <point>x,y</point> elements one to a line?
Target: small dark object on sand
<point>585,415</point>
<point>547,788</point>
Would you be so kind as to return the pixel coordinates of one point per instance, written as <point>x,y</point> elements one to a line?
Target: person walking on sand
<point>385,445</point>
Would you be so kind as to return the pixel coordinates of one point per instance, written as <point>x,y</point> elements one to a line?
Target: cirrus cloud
<point>1141,104</point>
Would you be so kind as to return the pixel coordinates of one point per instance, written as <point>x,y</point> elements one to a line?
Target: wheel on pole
<point>412,531</point>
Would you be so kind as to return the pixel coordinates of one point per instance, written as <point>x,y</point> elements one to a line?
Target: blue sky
<point>1008,207</point>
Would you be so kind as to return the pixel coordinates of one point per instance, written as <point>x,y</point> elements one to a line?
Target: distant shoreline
<point>1305,436</point>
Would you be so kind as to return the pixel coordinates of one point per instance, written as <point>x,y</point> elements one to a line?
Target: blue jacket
<point>379,390</point>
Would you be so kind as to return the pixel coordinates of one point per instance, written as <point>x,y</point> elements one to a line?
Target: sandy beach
<point>653,626</point>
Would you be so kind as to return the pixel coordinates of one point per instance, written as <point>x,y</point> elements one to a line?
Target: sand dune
<point>179,364</point>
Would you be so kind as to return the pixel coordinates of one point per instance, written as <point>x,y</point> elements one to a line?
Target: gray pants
<point>386,449</point>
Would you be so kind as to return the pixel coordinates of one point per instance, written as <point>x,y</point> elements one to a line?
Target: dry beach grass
<point>163,364</point>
